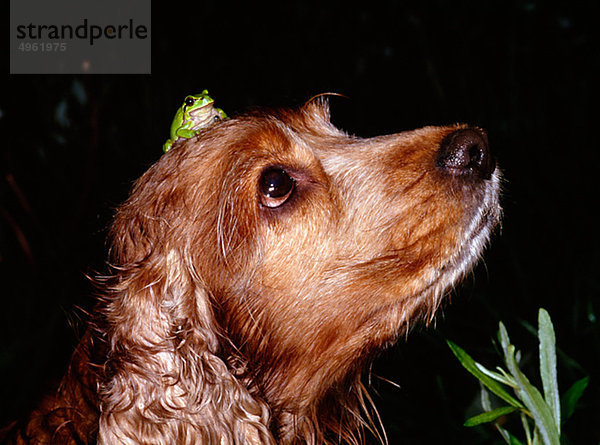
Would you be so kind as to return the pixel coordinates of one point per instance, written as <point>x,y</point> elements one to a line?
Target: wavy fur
<point>225,321</point>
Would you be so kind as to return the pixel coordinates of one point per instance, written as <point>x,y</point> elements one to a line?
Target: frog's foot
<point>167,145</point>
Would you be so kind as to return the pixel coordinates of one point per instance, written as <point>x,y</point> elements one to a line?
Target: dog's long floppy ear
<point>164,381</point>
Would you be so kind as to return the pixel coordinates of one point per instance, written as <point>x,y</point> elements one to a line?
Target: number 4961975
<point>42,47</point>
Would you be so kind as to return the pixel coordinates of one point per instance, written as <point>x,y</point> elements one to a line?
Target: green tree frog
<point>197,113</point>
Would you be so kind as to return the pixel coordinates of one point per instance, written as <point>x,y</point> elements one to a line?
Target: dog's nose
<point>466,153</point>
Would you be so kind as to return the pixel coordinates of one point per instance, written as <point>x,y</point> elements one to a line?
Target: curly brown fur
<point>229,320</point>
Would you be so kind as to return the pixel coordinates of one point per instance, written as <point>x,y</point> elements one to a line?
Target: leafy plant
<point>540,414</point>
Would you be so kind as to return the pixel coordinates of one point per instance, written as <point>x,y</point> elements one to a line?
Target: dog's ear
<point>164,381</point>
<point>318,117</point>
<point>318,106</point>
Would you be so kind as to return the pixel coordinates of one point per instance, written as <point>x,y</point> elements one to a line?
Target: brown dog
<point>257,269</point>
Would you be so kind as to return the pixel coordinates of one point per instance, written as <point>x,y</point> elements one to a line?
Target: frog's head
<point>195,102</point>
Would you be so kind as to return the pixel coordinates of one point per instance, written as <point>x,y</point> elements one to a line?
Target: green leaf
<point>533,400</point>
<point>505,434</point>
<point>548,364</point>
<point>529,327</point>
<point>572,396</point>
<point>490,416</point>
<point>471,365</point>
<point>526,428</point>
<point>502,378</point>
<point>485,398</point>
<point>503,338</point>
<point>487,406</point>
<point>514,440</point>
<point>536,437</point>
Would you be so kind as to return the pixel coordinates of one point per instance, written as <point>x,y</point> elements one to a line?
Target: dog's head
<point>305,249</point>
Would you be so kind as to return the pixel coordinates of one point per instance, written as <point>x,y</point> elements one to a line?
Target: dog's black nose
<point>466,153</point>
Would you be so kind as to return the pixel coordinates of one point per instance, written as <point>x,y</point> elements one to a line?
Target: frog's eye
<point>189,101</point>
<point>217,118</point>
<point>275,187</point>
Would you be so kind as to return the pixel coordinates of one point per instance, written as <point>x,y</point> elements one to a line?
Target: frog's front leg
<point>185,133</point>
<point>180,133</point>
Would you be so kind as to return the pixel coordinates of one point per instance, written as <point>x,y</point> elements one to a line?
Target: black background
<point>527,71</point>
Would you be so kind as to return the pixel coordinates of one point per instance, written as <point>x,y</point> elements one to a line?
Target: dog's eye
<point>276,186</point>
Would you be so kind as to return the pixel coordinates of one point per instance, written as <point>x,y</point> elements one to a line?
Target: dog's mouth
<point>471,244</point>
